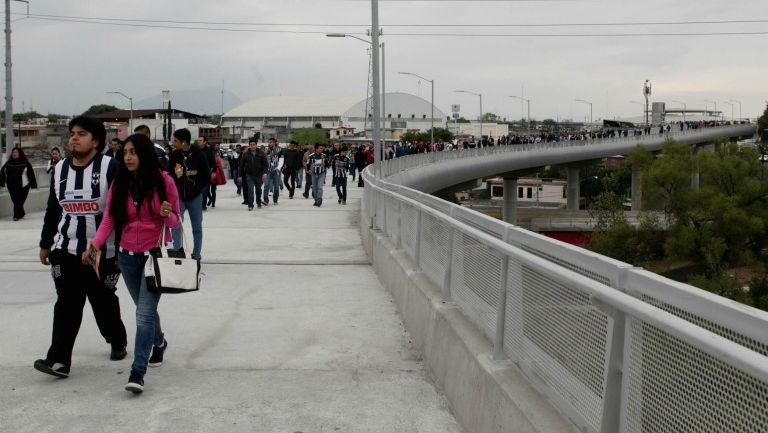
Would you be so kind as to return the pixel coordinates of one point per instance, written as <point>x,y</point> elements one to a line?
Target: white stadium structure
<point>278,116</point>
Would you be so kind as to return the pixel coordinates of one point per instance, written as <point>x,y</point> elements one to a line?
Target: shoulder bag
<point>165,274</point>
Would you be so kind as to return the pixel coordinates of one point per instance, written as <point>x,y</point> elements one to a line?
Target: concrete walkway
<point>291,332</point>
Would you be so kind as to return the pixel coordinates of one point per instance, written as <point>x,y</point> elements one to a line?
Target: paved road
<point>291,332</point>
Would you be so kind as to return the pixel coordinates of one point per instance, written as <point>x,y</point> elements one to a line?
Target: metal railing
<point>615,348</point>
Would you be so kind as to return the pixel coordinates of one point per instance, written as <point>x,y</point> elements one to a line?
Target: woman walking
<point>141,202</point>
<point>19,176</point>
<point>55,158</point>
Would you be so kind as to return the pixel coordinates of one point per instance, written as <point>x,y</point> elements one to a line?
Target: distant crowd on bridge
<point>408,148</point>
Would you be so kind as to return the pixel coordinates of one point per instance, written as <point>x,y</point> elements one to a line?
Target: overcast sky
<point>65,67</point>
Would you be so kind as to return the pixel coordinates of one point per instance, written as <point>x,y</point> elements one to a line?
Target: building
<point>119,123</point>
<point>402,112</point>
<point>532,192</point>
<point>279,116</point>
<point>472,129</point>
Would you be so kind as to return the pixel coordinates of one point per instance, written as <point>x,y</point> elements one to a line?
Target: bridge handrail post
<point>417,246</point>
<point>614,395</point>
<point>399,224</point>
<point>448,275</point>
<point>501,311</point>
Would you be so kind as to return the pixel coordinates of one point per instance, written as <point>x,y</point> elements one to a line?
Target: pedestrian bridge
<point>463,323</point>
<point>613,348</point>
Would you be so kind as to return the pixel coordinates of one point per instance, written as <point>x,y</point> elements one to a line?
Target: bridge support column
<point>637,189</point>
<point>573,193</point>
<point>509,211</point>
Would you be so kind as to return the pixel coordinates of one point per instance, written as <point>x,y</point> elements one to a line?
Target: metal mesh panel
<point>410,218</point>
<point>475,284</point>
<point>568,265</point>
<point>713,327</point>
<point>392,216</point>
<point>561,336</point>
<point>673,387</point>
<point>434,248</point>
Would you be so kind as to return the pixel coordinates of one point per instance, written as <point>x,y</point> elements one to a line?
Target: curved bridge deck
<point>291,332</point>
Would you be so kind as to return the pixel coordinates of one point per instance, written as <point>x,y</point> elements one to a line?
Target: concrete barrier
<point>487,396</point>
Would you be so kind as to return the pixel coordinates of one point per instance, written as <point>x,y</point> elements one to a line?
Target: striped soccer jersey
<point>82,195</point>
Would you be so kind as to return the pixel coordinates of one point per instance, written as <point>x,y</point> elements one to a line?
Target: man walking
<point>275,160</point>
<point>318,164</point>
<point>233,158</point>
<point>340,164</point>
<point>190,170</point>
<point>253,169</point>
<point>210,158</point>
<point>291,166</point>
<point>76,204</point>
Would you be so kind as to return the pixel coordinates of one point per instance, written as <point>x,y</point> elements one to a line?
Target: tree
<point>762,130</point>
<point>309,136</point>
<point>462,120</point>
<point>490,117</point>
<point>98,109</point>
<point>723,222</point>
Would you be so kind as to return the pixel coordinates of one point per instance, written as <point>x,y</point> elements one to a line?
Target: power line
<point>236,23</point>
<point>471,35</point>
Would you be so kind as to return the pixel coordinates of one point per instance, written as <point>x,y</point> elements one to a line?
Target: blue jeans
<point>273,183</point>
<point>252,189</point>
<point>195,209</point>
<point>148,330</point>
<point>299,177</point>
<point>318,180</point>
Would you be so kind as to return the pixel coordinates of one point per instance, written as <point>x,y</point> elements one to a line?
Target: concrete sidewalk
<point>291,332</point>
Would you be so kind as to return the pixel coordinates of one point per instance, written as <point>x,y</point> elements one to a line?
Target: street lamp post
<point>432,84</point>
<point>731,104</point>
<point>737,102</point>
<point>374,43</point>
<point>130,121</point>
<point>714,102</point>
<point>528,103</point>
<point>685,108</point>
<point>590,109</point>
<point>480,144</point>
<point>166,94</point>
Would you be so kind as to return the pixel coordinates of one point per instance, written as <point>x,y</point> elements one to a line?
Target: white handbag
<point>166,274</point>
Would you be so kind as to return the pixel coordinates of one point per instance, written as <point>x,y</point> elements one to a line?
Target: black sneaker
<point>251,208</point>
<point>305,195</point>
<point>339,201</point>
<point>135,384</point>
<point>53,368</point>
<point>156,360</point>
<point>118,353</point>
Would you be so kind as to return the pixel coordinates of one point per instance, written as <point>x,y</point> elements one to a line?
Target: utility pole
<point>8,82</point>
<point>378,151</point>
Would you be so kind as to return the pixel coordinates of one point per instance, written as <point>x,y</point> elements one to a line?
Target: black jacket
<point>253,164</point>
<point>191,172</point>
<point>292,159</point>
<point>12,172</point>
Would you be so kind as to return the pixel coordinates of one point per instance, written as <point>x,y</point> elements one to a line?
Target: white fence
<point>616,348</point>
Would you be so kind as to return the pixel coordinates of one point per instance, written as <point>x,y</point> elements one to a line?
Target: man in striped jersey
<point>317,165</point>
<point>76,205</point>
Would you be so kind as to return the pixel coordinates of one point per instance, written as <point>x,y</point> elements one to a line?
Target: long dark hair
<point>22,156</point>
<point>148,178</point>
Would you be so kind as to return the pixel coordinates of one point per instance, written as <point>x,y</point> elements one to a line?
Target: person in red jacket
<point>143,201</point>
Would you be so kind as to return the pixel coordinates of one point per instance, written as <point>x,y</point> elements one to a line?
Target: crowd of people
<point>408,148</point>
<point>261,172</point>
<point>107,211</point>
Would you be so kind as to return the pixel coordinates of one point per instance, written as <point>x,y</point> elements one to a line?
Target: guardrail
<point>616,348</point>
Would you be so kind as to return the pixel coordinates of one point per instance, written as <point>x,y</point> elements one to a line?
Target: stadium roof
<point>396,103</point>
<point>294,106</point>
<point>334,106</point>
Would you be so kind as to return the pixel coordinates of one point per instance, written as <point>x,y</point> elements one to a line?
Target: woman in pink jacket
<point>141,200</point>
